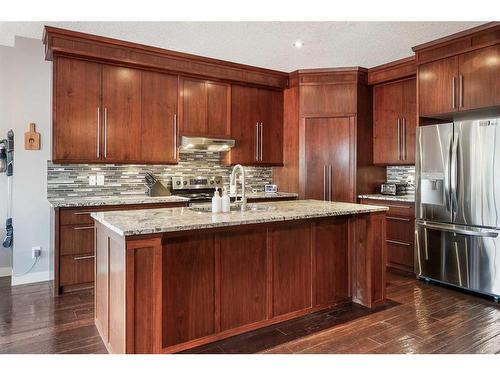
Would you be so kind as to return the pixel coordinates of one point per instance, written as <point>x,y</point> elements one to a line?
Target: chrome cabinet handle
<point>452,229</point>
<point>453,176</point>
<point>257,141</point>
<point>398,242</point>
<point>324,182</point>
<point>461,91</point>
<point>175,137</point>
<point>453,90</point>
<point>397,218</point>
<point>83,228</point>
<point>403,141</point>
<point>98,132</point>
<point>330,183</point>
<point>105,132</point>
<point>85,257</point>
<point>261,139</point>
<point>399,139</point>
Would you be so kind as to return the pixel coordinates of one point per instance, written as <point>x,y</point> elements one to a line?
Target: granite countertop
<point>161,220</point>
<point>112,200</point>
<point>410,198</point>
<point>144,199</point>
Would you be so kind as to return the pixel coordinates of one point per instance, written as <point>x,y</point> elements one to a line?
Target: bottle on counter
<point>226,202</point>
<point>216,202</point>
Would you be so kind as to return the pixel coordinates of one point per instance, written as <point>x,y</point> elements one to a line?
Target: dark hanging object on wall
<point>9,150</point>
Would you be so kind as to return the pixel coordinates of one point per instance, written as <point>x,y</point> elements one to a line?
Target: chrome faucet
<point>233,182</point>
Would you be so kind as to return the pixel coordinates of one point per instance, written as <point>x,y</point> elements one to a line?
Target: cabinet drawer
<point>400,255</point>
<point>77,269</point>
<point>78,216</point>
<point>398,209</point>
<point>400,229</point>
<point>77,239</point>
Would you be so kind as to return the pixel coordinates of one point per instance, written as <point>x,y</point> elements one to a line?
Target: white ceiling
<point>266,44</point>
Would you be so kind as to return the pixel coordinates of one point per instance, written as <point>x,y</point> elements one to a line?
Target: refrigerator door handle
<point>458,230</point>
<point>454,176</point>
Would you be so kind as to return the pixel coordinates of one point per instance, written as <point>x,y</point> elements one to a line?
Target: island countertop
<point>127,223</point>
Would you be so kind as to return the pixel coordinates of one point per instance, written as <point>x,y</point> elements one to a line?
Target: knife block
<point>157,190</point>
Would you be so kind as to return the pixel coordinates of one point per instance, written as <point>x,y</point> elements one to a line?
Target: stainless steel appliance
<point>388,188</point>
<point>206,144</point>
<point>196,188</point>
<point>458,204</point>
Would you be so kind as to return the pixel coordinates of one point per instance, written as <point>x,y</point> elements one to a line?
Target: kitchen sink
<point>233,208</point>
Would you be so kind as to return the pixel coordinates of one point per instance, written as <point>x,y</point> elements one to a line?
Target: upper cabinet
<point>459,73</point>
<point>105,113</point>
<point>257,126</point>
<point>205,108</point>
<point>76,111</point>
<point>394,122</point>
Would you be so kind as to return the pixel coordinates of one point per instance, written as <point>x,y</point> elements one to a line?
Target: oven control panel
<point>196,182</point>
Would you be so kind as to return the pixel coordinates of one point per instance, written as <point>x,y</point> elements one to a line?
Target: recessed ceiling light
<point>298,44</point>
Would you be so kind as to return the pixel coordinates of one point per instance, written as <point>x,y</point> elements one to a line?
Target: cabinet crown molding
<point>70,43</point>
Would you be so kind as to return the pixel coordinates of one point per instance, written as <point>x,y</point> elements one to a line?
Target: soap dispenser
<point>226,202</point>
<point>216,202</point>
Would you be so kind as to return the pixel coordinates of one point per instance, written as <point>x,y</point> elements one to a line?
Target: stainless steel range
<point>458,204</point>
<point>196,188</point>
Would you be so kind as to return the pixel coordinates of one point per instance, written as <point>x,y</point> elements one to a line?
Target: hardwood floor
<point>419,318</point>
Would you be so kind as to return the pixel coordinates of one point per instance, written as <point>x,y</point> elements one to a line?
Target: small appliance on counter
<point>154,187</point>
<point>271,188</point>
<point>389,188</point>
<point>196,188</point>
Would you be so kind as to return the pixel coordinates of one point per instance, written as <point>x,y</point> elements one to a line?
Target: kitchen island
<point>174,278</point>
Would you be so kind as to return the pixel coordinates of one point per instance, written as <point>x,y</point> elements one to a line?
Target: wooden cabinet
<point>113,114</point>
<point>394,122</point>
<point>329,156</point>
<point>257,126</point>
<point>204,108</point>
<point>400,233</point>
<point>121,100</point>
<point>76,128</point>
<point>159,118</point>
<point>74,243</point>
<point>466,81</point>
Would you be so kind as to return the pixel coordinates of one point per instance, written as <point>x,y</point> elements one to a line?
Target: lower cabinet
<point>74,246</point>
<point>400,233</point>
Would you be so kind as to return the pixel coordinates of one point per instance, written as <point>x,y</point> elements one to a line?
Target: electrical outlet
<point>92,180</point>
<point>36,252</point>
<point>100,179</point>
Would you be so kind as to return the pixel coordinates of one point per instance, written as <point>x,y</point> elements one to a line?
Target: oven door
<point>462,256</point>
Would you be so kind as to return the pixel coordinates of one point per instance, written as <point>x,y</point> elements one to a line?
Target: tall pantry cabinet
<point>328,136</point>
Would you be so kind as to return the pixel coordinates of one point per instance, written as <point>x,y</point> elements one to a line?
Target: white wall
<point>25,96</point>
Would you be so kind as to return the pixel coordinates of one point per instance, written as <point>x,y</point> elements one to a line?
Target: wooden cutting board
<point>32,139</point>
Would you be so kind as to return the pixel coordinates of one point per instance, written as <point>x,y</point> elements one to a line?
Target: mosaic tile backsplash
<point>72,180</point>
<point>402,174</point>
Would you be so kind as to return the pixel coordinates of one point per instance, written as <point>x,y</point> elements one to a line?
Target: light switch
<point>100,179</point>
<point>92,180</point>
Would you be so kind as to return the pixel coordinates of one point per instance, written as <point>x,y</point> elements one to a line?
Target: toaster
<point>389,188</point>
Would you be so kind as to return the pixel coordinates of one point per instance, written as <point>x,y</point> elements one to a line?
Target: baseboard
<point>34,277</point>
<point>5,271</point>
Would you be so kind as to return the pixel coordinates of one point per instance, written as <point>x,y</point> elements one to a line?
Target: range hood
<point>207,144</point>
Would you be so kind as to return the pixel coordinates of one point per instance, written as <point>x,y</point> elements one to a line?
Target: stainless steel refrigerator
<point>457,231</point>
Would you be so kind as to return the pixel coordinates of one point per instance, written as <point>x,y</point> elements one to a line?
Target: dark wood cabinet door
<point>243,280</point>
<point>480,78</point>
<point>387,122</point>
<point>292,267</point>
<point>271,131</point>
<point>218,109</point>
<point>121,95</point>
<point>438,86</point>
<point>188,295</point>
<point>331,244</point>
<point>159,111</point>
<point>329,157</point>
<point>77,100</point>
<point>409,114</point>
<point>192,107</point>
<point>244,125</point>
